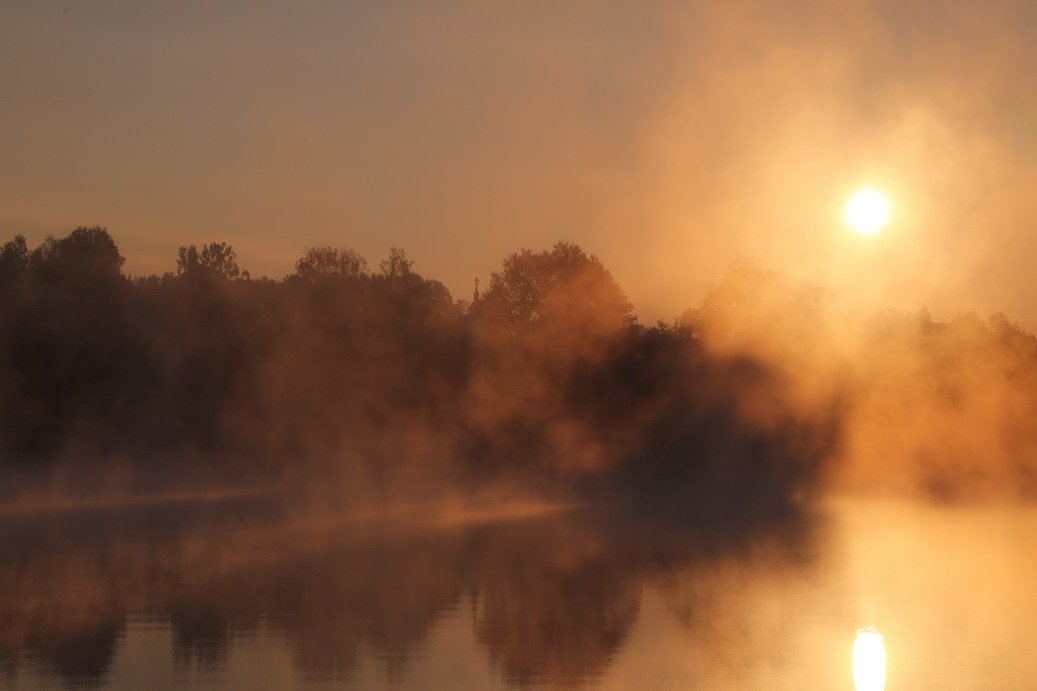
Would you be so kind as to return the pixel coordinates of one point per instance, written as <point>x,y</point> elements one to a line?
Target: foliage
<point>323,262</point>
<point>216,260</point>
<point>363,381</point>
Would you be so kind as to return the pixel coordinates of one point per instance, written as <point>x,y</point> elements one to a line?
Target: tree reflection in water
<point>552,598</point>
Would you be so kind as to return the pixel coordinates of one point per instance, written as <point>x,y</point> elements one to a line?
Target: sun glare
<point>868,211</point>
<point>869,661</point>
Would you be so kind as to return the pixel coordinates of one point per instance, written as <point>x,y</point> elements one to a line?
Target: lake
<point>247,594</point>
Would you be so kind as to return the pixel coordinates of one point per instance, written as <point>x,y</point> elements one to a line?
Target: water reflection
<point>551,600</point>
<point>869,660</point>
<point>244,596</point>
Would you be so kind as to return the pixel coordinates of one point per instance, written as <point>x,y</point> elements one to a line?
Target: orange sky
<point>668,138</point>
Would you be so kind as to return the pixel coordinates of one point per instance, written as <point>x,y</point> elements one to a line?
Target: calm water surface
<point>244,597</point>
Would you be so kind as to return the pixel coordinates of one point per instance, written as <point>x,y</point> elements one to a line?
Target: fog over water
<point>348,477</point>
<point>239,595</point>
<point>422,345</point>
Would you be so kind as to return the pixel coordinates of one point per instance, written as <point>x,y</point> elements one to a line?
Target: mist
<point>924,408</point>
<point>362,386</point>
<point>425,345</point>
<point>348,458</point>
<point>358,385</point>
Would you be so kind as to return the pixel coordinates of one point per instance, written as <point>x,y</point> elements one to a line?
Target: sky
<point>667,138</point>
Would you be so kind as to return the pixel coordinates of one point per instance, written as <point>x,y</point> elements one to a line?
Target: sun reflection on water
<point>869,660</point>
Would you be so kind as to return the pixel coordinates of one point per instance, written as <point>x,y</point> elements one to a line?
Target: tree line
<point>360,379</point>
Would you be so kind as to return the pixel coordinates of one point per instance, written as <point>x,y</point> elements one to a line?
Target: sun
<point>868,211</point>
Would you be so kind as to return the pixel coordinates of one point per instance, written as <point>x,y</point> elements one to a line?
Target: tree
<point>325,262</point>
<point>215,260</point>
<point>564,285</point>
<point>14,261</point>
<point>397,264</point>
<point>543,335</point>
<point>85,256</point>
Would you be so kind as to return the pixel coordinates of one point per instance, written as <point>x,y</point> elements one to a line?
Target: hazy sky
<point>667,138</point>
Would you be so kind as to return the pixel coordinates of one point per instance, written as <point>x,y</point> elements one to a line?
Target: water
<point>239,596</point>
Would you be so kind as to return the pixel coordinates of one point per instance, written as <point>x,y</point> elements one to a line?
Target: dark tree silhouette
<point>14,262</point>
<point>564,285</point>
<point>85,256</point>
<point>215,260</point>
<point>352,381</point>
<point>396,264</point>
<point>325,262</point>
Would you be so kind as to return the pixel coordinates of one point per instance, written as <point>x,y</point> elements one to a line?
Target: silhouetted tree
<point>396,265</point>
<point>564,285</point>
<point>215,260</point>
<point>14,261</point>
<point>86,257</point>
<point>383,379</point>
<point>330,262</point>
<point>73,360</point>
